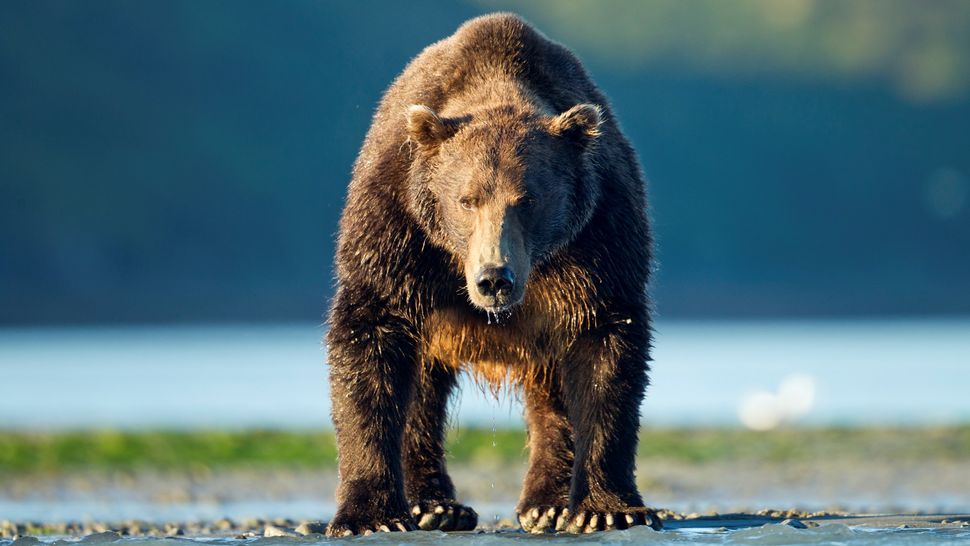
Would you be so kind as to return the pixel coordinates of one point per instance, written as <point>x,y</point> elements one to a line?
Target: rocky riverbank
<point>282,527</point>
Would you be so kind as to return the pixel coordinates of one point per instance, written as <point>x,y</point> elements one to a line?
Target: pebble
<point>95,528</point>
<point>666,514</point>
<point>104,536</point>
<point>311,528</point>
<point>275,531</point>
<point>784,514</point>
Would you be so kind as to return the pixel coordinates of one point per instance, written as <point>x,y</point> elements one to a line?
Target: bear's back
<point>499,45</point>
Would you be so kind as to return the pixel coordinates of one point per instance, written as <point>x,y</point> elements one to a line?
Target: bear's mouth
<point>498,314</point>
<point>496,307</point>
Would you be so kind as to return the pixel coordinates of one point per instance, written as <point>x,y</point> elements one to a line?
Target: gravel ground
<point>694,495</point>
<point>290,528</point>
<point>846,486</point>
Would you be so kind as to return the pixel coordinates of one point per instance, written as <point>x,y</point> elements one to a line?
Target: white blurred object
<point>760,411</point>
<point>797,395</point>
<point>765,410</point>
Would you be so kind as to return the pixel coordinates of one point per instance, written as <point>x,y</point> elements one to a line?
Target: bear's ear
<point>580,123</point>
<point>426,128</point>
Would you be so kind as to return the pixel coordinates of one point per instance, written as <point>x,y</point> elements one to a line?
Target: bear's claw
<point>444,516</point>
<point>393,525</point>
<point>543,519</point>
<point>589,521</point>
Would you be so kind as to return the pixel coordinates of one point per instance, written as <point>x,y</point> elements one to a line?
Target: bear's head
<point>502,190</point>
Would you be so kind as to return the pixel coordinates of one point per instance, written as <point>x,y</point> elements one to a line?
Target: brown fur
<point>492,148</point>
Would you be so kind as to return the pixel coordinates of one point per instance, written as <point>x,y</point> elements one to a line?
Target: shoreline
<point>161,484</point>
<point>282,527</point>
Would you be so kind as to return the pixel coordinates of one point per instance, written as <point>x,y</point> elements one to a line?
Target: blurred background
<point>178,162</point>
<point>171,175</point>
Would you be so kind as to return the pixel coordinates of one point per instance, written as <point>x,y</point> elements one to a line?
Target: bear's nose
<point>493,281</point>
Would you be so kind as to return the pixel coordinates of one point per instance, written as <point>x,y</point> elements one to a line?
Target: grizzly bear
<point>495,223</point>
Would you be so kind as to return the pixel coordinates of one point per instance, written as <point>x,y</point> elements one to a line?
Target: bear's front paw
<point>344,526</point>
<point>589,521</point>
<point>543,519</point>
<point>444,516</point>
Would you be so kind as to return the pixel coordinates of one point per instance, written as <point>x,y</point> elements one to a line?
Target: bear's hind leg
<point>430,490</point>
<point>543,505</point>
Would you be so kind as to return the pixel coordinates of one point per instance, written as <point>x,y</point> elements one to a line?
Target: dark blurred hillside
<point>180,160</point>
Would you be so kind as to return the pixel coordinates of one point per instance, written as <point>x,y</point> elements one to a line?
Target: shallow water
<point>865,372</point>
<point>832,534</point>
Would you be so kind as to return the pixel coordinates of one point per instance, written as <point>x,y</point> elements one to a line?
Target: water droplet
<point>494,445</point>
<point>493,425</point>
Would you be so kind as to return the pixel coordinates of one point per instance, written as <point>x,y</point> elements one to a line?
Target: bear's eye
<point>468,203</point>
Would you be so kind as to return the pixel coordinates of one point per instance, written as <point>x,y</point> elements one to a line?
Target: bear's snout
<point>495,282</point>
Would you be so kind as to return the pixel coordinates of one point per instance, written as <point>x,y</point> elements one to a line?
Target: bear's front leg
<point>372,358</point>
<point>543,505</point>
<point>604,378</point>
<point>429,488</point>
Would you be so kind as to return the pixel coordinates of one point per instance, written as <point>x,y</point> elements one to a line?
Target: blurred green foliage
<point>45,453</point>
<point>187,161</point>
<point>921,48</point>
<point>115,450</point>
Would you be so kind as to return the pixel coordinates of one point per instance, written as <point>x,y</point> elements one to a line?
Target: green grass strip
<point>24,452</point>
